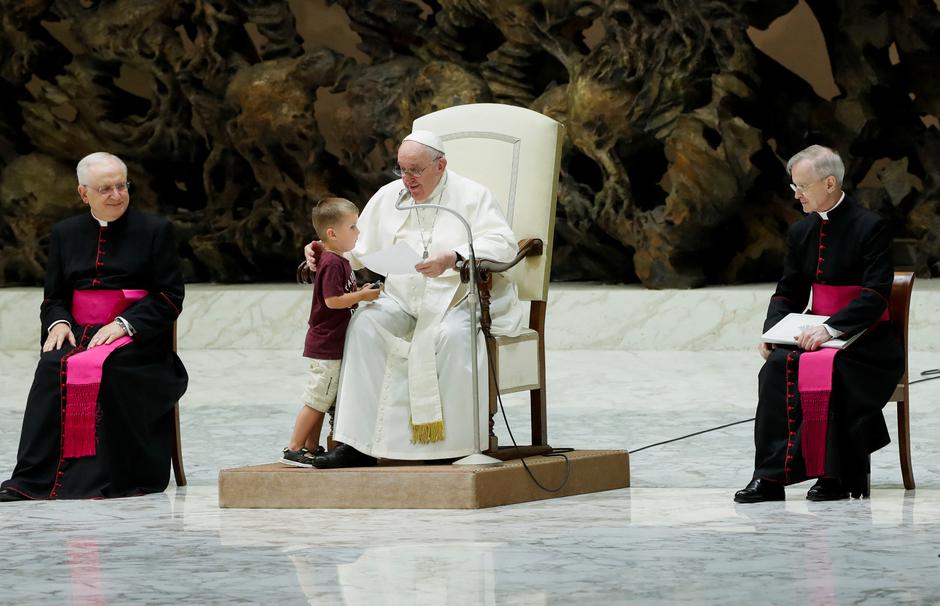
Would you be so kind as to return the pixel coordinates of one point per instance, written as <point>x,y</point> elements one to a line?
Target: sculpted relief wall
<point>235,116</point>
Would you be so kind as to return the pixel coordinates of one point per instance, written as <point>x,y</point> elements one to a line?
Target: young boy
<point>334,298</point>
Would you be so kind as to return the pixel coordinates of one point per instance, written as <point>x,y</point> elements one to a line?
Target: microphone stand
<point>477,458</point>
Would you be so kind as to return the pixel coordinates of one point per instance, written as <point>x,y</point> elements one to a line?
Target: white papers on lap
<point>785,331</point>
<point>396,259</point>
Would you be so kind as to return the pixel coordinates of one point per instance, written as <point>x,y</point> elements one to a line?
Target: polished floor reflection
<point>674,537</point>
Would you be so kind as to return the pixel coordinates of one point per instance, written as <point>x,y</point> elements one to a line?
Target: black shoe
<point>760,490</point>
<point>296,458</point>
<point>827,489</point>
<point>8,496</point>
<point>343,455</point>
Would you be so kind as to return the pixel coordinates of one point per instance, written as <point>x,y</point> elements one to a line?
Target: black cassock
<point>851,248</point>
<point>140,382</point>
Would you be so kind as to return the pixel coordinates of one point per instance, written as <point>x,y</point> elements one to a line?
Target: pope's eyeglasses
<point>410,172</point>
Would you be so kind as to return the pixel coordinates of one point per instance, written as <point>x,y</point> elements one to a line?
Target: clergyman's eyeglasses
<point>105,190</point>
<point>801,189</point>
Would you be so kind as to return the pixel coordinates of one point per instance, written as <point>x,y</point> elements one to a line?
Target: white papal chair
<point>516,153</point>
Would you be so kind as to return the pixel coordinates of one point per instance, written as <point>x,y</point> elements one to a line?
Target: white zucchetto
<point>426,138</point>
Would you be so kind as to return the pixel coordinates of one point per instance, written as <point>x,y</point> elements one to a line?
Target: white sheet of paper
<point>397,259</point>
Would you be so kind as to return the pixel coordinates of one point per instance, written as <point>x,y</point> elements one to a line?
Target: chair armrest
<point>304,274</point>
<point>531,247</point>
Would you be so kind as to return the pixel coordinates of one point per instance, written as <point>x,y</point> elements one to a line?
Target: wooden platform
<point>418,486</point>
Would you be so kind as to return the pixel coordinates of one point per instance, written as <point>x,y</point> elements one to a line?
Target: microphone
<point>401,198</point>
<point>400,205</point>
<point>477,458</point>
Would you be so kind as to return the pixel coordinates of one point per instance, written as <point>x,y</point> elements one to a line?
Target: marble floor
<point>673,537</point>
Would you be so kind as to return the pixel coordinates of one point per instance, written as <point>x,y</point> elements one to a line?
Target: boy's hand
<point>369,292</point>
<point>311,251</point>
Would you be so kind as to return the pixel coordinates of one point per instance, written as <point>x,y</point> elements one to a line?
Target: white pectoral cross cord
<point>426,242</point>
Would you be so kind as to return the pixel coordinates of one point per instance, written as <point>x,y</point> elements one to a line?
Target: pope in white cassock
<point>405,389</point>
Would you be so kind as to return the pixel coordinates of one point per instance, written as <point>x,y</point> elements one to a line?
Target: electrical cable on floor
<point>697,433</point>
<point>554,452</point>
<point>933,373</point>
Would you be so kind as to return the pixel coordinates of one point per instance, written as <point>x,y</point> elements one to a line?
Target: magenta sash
<point>815,378</point>
<point>83,369</point>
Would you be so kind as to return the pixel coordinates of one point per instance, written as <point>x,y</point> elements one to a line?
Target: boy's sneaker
<point>296,458</point>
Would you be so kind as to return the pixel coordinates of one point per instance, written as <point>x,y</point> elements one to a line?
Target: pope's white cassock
<point>405,389</point>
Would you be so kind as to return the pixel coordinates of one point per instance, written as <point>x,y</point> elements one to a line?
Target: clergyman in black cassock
<point>111,249</point>
<point>837,246</point>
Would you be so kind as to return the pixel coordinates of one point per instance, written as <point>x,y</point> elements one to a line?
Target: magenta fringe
<point>81,410</point>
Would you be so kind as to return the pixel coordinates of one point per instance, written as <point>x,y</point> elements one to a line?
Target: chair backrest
<point>516,153</point>
<point>900,307</point>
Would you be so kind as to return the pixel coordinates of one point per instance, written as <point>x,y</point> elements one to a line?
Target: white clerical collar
<point>825,214</point>
<point>100,222</point>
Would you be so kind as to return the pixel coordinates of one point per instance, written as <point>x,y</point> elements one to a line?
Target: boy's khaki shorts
<point>320,392</point>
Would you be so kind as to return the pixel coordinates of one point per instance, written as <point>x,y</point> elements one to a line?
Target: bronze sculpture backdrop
<point>677,126</point>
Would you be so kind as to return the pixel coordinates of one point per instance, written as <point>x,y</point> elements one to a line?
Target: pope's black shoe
<point>343,455</point>
<point>827,489</point>
<point>8,496</point>
<point>760,490</point>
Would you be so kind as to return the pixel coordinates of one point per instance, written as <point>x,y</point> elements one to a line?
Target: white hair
<point>81,171</point>
<point>825,162</point>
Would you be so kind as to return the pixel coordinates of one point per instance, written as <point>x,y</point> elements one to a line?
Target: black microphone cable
<point>554,452</point>
<point>932,374</point>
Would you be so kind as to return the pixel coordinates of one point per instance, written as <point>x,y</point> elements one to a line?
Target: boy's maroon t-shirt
<point>327,327</point>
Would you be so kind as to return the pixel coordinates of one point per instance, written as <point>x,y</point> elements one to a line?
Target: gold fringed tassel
<point>427,433</point>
